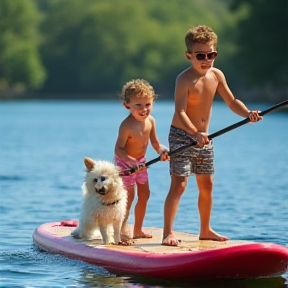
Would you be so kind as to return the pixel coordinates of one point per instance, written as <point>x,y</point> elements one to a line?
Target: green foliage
<point>262,41</point>
<point>20,65</point>
<point>100,44</point>
<point>97,45</point>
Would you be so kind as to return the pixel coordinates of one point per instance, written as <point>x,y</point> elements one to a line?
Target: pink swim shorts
<point>140,177</point>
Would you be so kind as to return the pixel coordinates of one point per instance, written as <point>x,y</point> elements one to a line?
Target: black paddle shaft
<point>216,134</point>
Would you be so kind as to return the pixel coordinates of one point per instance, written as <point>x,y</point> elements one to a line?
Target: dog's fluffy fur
<point>104,205</point>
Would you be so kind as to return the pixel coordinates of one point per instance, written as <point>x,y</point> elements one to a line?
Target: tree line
<point>95,46</point>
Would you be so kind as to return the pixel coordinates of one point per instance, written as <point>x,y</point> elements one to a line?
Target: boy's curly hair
<point>200,34</point>
<point>137,88</point>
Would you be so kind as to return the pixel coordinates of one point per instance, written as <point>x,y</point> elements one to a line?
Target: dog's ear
<point>89,163</point>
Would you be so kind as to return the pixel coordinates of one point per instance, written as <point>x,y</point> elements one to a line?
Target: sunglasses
<point>210,56</point>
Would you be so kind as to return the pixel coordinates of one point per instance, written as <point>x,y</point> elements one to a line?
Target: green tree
<point>60,47</point>
<point>20,64</point>
<point>261,38</point>
<point>96,46</point>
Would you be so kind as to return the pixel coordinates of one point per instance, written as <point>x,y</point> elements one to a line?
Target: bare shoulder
<point>218,74</point>
<point>183,83</point>
<point>151,120</point>
<point>184,76</point>
<point>125,124</point>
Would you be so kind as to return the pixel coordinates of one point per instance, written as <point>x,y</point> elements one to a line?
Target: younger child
<point>134,134</point>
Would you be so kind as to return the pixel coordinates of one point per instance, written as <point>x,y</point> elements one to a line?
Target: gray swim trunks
<point>192,160</point>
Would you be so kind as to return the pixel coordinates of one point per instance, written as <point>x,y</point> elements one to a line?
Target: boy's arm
<point>234,104</point>
<point>159,148</point>
<point>153,136</point>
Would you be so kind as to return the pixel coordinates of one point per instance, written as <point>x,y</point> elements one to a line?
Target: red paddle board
<point>192,259</point>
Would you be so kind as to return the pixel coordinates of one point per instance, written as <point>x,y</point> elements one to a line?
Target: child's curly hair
<point>137,88</point>
<point>200,34</point>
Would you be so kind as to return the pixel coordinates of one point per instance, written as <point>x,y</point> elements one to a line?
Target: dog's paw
<point>126,237</point>
<point>109,243</point>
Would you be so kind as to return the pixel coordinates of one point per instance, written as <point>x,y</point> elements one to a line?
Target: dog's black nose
<point>100,191</point>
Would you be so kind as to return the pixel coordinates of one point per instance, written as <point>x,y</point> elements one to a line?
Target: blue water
<point>42,146</point>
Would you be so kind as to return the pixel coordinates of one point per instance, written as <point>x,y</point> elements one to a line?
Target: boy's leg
<point>205,186</point>
<point>130,197</point>
<point>143,194</point>
<point>177,188</point>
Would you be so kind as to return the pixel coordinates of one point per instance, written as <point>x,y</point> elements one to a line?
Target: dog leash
<point>132,170</point>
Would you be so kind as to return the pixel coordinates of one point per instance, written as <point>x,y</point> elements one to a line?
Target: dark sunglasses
<point>210,56</point>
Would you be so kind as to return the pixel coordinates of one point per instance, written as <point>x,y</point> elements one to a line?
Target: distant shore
<point>264,95</point>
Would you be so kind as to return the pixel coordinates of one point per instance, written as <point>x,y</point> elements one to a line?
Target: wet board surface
<point>192,259</point>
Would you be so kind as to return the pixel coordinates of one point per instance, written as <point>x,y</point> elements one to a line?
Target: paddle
<point>211,136</point>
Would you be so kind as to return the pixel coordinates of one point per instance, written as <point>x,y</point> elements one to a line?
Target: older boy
<point>194,92</point>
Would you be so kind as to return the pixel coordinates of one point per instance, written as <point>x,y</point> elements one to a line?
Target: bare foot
<point>170,240</point>
<point>126,243</point>
<point>142,235</point>
<point>125,237</point>
<point>212,236</point>
<point>125,234</point>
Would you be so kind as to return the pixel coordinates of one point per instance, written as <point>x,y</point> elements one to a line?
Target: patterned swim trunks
<point>192,160</point>
<point>141,176</point>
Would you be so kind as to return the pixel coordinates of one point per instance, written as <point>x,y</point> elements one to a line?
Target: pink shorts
<point>140,177</point>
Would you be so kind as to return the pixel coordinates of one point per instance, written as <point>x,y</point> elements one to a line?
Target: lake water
<point>42,146</point>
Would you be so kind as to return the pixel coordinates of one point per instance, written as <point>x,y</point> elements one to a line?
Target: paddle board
<point>191,260</point>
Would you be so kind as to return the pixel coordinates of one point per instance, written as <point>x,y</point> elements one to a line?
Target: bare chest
<point>201,90</point>
<point>140,132</point>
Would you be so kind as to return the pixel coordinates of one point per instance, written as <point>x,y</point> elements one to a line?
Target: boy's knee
<point>208,185</point>
<point>178,185</point>
<point>143,198</point>
<point>205,182</point>
<point>179,180</point>
<point>143,195</point>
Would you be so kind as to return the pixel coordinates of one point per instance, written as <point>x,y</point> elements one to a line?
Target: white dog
<point>105,201</point>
